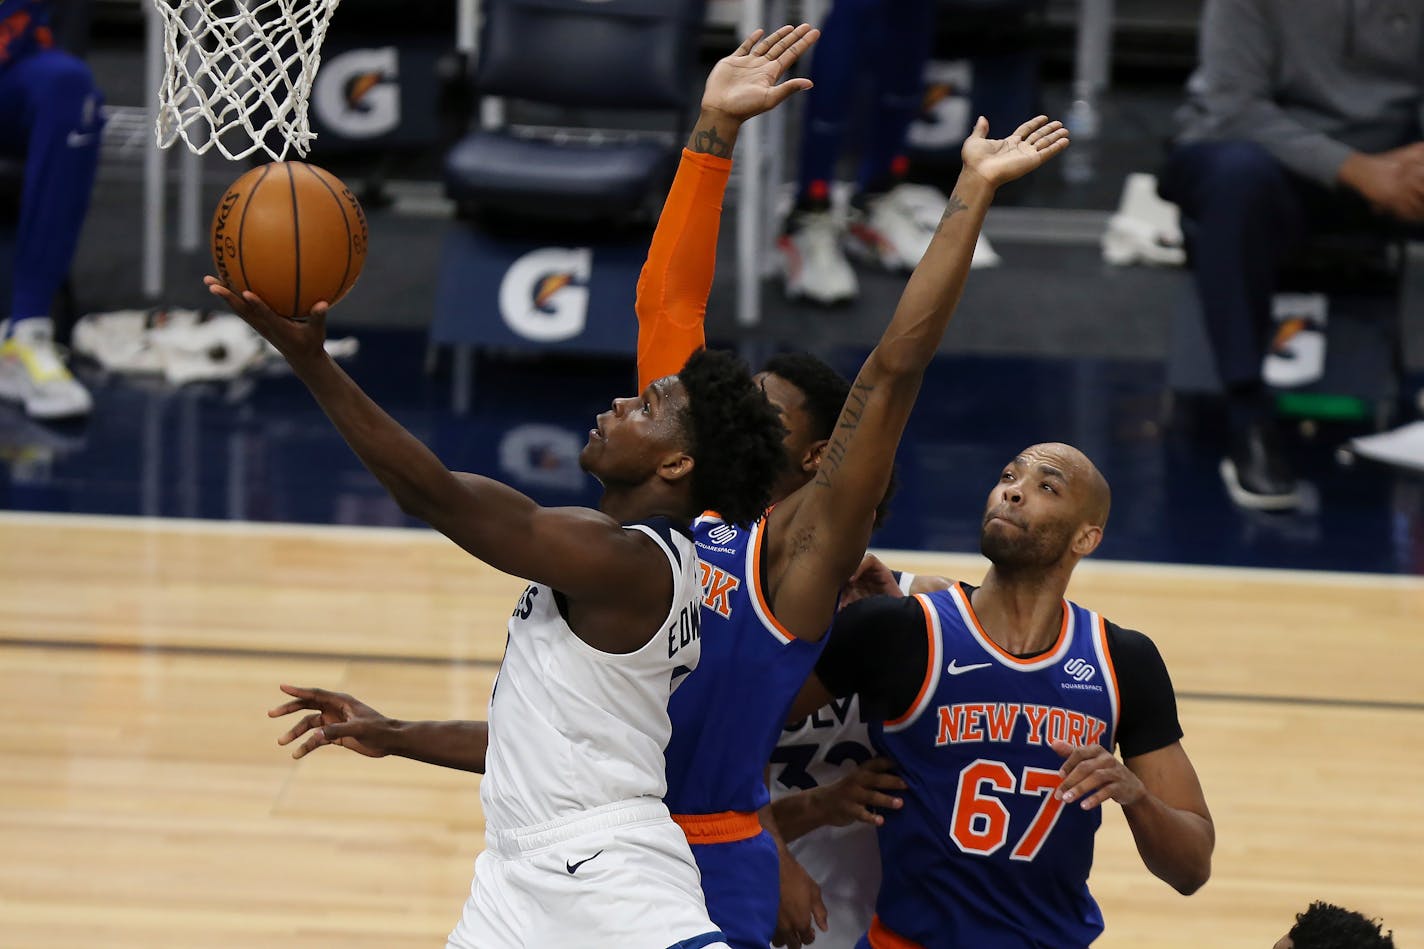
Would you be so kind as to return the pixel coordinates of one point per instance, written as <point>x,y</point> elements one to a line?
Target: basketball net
<point>238,74</point>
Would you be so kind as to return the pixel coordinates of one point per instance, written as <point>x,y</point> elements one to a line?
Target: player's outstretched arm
<point>677,277</point>
<point>1162,798</point>
<point>580,552</point>
<point>818,535</point>
<point>339,719</point>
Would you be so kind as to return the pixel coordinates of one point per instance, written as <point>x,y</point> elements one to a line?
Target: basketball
<point>291,233</point>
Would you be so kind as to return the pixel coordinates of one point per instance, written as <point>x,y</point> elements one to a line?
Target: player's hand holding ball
<point>296,338</point>
<point>288,240</point>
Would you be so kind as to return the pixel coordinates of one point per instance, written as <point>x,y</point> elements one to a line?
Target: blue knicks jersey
<point>981,854</point>
<point>727,716</point>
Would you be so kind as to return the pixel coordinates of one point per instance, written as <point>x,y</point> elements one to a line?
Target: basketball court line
<point>303,655</point>
<point>910,559</point>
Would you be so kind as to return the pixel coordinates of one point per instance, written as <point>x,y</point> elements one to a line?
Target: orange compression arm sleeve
<point>677,277</point>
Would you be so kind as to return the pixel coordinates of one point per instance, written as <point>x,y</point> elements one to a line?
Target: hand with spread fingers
<point>295,338</point>
<point>1092,775</point>
<point>1001,160</point>
<point>336,719</point>
<point>748,82</point>
<point>872,578</point>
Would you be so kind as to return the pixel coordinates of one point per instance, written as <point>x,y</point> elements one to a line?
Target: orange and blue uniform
<point>982,854</point>
<point>728,714</point>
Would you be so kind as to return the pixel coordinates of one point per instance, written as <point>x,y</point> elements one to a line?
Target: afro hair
<point>734,437</point>
<point>1327,926</point>
<point>825,391</point>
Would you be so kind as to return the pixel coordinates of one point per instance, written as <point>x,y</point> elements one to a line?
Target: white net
<point>238,74</point>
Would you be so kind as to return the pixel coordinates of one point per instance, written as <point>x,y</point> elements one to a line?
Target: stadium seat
<point>620,63</point>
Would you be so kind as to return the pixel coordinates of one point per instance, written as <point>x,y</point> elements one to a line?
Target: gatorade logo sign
<point>544,294</point>
<point>357,93</point>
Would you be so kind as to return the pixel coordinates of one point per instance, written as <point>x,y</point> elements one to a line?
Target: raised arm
<point>818,535</point>
<point>580,552</point>
<point>677,277</point>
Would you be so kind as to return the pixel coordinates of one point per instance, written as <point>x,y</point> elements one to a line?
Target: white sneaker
<point>895,228</point>
<point>813,263</point>
<point>33,373</point>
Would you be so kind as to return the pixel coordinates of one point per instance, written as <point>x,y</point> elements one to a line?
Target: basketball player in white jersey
<point>829,792</point>
<point>580,851</point>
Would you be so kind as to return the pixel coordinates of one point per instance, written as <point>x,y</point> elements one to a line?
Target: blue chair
<point>598,78</point>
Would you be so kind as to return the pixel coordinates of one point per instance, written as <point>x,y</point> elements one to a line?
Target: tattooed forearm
<point>845,430</point>
<point>956,204</point>
<point>708,142</point>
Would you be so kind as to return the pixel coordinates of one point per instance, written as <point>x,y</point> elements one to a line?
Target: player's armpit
<point>584,554</point>
<point>813,695</point>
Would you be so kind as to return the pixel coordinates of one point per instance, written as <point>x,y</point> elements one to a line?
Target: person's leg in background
<point>895,222</point>
<point>813,261</point>
<point>50,113</point>
<point>1246,213</point>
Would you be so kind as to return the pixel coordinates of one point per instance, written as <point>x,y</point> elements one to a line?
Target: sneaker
<point>893,230</point>
<point>33,373</point>
<point>813,264</point>
<point>1256,472</point>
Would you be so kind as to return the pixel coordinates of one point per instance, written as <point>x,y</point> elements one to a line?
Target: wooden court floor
<point>143,801</point>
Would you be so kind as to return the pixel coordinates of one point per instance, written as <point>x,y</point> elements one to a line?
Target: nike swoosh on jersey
<point>955,669</point>
<point>573,867</point>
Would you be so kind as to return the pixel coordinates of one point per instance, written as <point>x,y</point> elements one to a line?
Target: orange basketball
<point>291,233</point>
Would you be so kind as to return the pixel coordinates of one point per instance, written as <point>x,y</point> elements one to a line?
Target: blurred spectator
<point>50,116</point>
<point>887,43</point>
<point>1326,926</point>
<point>1301,118</point>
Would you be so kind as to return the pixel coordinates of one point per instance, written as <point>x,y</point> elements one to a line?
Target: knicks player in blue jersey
<point>771,591</point>
<point>1001,706</point>
<point>50,116</point>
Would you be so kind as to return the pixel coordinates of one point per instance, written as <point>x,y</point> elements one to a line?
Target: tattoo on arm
<point>708,142</point>
<point>845,430</point>
<point>956,204</point>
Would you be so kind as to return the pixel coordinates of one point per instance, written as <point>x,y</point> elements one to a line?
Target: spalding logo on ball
<point>292,233</point>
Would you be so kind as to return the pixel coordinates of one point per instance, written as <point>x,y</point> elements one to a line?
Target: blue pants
<point>50,116</point>
<point>742,884</point>
<point>1244,214</point>
<point>891,38</point>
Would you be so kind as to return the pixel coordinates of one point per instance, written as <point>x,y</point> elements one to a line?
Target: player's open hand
<point>748,82</point>
<point>1001,160</point>
<point>801,906</point>
<point>295,338</point>
<point>859,795</point>
<point>336,719</point>
<point>1092,775</point>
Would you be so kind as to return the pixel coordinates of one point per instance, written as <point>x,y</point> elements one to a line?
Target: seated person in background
<point>50,116</point>
<point>1327,926</point>
<point>1301,117</point>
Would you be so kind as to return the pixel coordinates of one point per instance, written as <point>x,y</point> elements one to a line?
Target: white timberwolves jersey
<point>820,750</point>
<point>574,728</point>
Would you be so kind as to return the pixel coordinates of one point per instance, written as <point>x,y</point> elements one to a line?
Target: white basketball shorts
<point>620,876</point>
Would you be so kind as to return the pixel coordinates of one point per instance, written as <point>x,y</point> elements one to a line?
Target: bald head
<point>1089,486</point>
